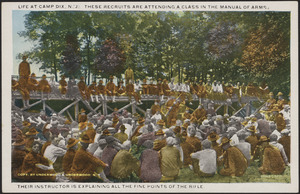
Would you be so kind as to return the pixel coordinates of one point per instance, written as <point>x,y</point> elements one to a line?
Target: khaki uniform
<point>166,89</point>
<point>68,161</point>
<point>145,88</point>
<point>129,75</point>
<point>93,90</point>
<point>158,144</point>
<point>28,167</point>
<point>235,163</point>
<point>110,89</point>
<point>44,86</point>
<point>280,122</point>
<point>155,108</point>
<point>121,90</point>
<point>272,162</point>
<point>130,92</point>
<point>152,89</point>
<point>101,89</point>
<point>170,161</point>
<point>83,89</point>
<point>253,140</point>
<point>187,149</point>
<point>121,136</point>
<point>63,86</point>
<point>194,141</point>
<point>281,103</point>
<point>85,163</point>
<point>285,141</point>
<point>17,158</point>
<point>200,115</point>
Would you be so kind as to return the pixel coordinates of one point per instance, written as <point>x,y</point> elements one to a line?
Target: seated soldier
<point>235,163</point>
<point>44,86</point>
<point>206,160</point>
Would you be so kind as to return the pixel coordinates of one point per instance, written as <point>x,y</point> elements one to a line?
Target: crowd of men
<point>153,147</point>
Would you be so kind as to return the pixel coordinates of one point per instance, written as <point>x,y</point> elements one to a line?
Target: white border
<point>7,60</point>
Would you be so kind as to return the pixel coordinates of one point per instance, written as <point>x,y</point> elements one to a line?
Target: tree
<point>110,59</point>
<point>71,60</point>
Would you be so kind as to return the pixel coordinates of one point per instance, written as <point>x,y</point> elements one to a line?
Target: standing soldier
<point>111,88</point>
<point>129,75</point>
<point>201,91</point>
<point>63,86</point>
<point>24,73</point>
<point>44,87</point>
<point>102,90</point>
<point>270,102</point>
<point>93,91</point>
<point>166,88</point>
<point>264,90</point>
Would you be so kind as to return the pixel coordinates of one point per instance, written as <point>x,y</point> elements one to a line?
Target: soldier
<point>152,88</point>
<point>111,88</point>
<point>159,90</point>
<point>33,83</point>
<point>24,73</point>
<point>130,92</point>
<point>63,86</point>
<point>145,88</point>
<point>166,88</point>
<point>251,90</point>
<point>270,102</point>
<point>235,163</point>
<point>93,91</point>
<point>199,114</point>
<point>155,107</point>
<point>129,75</point>
<point>121,89</point>
<point>281,101</point>
<point>102,90</point>
<point>44,87</point>
<point>82,117</point>
<point>264,90</point>
<point>83,89</point>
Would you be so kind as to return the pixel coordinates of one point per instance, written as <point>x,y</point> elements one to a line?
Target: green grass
<point>252,175</point>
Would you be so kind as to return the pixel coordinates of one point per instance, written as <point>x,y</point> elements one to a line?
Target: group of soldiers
<point>154,147</point>
<point>125,147</point>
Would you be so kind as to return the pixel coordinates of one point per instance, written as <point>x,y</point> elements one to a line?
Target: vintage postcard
<point>150,97</point>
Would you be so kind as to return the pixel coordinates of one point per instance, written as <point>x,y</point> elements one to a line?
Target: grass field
<point>251,175</point>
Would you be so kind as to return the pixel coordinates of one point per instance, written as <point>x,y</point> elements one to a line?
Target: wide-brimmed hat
<point>26,124</point>
<point>82,110</point>
<point>141,120</point>
<point>275,109</point>
<point>161,122</point>
<point>205,123</point>
<point>106,132</point>
<point>111,77</point>
<point>263,138</point>
<point>101,81</point>
<point>67,122</point>
<point>252,129</point>
<point>224,141</point>
<point>19,141</point>
<point>64,129</point>
<point>115,119</point>
<point>122,128</point>
<point>72,142</point>
<point>271,94</point>
<point>44,76</point>
<point>85,139</point>
<point>177,129</point>
<point>33,75</point>
<point>81,78</point>
<point>280,94</point>
<point>159,132</point>
<point>213,136</point>
<point>159,79</point>
<point>32,131</point>
<point>90,124</point>
<point>285,131</point>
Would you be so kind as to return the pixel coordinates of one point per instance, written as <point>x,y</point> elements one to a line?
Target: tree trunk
<point>88,59</point>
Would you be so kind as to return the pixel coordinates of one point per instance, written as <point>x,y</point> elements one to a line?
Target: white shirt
<point>276,133</point>
<point>207,160</point>
<point>220,88</point>
<point>93,146</point>
<point>52,152</point>
<point>157,117</point>
<point>128,129</point>
<point>98,153</point>
<point>282,152</point>
<point>234,140</point>
<point>172,86</point>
